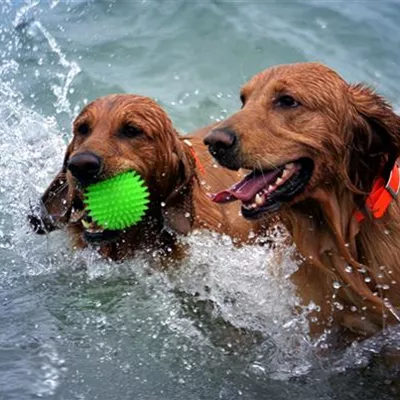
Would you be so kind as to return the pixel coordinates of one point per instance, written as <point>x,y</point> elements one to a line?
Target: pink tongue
<point>247,188</point>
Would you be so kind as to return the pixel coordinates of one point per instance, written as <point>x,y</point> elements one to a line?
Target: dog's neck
<point>148,237</point>
<point>359,263</point>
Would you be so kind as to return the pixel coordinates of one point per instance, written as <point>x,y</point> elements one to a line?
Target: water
<point>74,326</point>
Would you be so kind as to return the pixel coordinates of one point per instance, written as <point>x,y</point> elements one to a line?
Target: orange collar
<point>381,196</point>
<point>197,161</point>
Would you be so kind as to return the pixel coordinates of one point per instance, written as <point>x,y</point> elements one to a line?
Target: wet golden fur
<point>353,136</point>
<point>178,191</point>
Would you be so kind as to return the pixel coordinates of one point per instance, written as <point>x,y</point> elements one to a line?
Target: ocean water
<point>73,326</point>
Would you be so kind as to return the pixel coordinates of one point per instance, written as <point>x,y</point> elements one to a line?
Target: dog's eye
<point>83,128</point>
<point>242,99</point>
<point>130,131</point>
<point>286,101</point>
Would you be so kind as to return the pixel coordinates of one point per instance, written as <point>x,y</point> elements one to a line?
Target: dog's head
<point>303,128</point>
<point>111,135</point>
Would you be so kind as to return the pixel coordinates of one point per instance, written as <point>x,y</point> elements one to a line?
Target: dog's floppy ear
<point>54,207</point>
<point>372,138</point>
<point>178,212</point>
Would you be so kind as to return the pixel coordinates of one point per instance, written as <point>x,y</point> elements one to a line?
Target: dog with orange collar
<point>323,159</point>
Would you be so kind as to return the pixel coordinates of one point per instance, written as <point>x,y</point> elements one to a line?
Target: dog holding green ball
<point>129,181</point>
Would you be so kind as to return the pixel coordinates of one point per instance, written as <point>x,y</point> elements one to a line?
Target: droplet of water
<point>321,23</point>
<point>336,285</point>
<point>367,279</point>
<point>339,306</point>
<point>349,269</point>
<point>257,369</point>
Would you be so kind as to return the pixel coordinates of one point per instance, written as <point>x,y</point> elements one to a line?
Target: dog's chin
<point>265,191</point>
<point>100,237</point>
<point>90,231</point>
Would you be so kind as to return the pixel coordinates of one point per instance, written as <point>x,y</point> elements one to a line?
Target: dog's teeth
<point>94,230</point>
<point>76,215</point>
<point>250,206</point>
<point>289,166</point>
<point>259,200</point>
<point>85,224</point>
<point>285,173</point>
<point>279,181</point>
<point>271,188</point>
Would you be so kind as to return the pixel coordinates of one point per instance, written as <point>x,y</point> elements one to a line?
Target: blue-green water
<point>75,327</point>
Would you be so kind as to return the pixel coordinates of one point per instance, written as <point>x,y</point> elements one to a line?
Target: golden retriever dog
<point>323,158</point>
<point>119,133</point>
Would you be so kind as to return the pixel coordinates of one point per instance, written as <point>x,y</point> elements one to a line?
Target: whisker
<point>55,193</point>
<point>265,160</point>
<point>261,169</point>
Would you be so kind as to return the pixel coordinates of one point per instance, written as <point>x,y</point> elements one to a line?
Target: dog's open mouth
<point>266,190</point>
<point>92,232</point>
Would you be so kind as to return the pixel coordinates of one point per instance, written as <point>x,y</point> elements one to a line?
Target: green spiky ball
<point>119,202</point>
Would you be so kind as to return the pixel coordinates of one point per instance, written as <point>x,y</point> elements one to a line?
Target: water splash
<point>61,90</point>
<point>249,288</point>
<point>24,14</point>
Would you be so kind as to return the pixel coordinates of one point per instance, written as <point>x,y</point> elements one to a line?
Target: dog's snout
<point>220,140</point>
<point>85,167</point>
<point>223,145</point>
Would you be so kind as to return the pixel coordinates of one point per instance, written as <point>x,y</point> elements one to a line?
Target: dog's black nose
<point>220,140</point>
<point>85,167</point>
<point>223,145</point>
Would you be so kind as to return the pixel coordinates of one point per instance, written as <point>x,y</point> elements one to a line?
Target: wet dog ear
<point>178,212</point>
<point>54,207</point>
<point>372,138</point>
